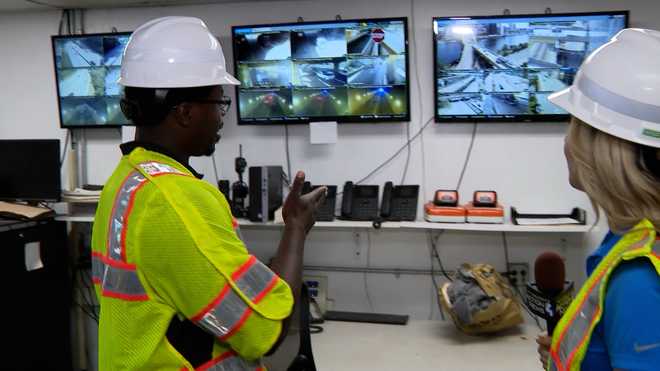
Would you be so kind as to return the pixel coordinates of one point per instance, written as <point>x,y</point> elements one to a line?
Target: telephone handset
<point>399,202</point>
<point>359,202</point>
<point>326,211</point>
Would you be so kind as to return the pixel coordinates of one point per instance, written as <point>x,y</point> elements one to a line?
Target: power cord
<point>288,153</point>
<point>436,294</point>
<point>514,283</point>
<point>467,157</point>
<point>366,285</point>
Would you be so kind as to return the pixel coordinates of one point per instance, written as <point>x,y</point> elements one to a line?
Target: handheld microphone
<point>551,295</point>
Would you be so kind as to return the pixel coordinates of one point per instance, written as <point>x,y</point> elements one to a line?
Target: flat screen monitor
<point>86,70</point>
<point>503,68</point>
<point>344,71</point>
<point>31,171</point>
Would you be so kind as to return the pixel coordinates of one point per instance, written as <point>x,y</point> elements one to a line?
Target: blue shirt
<point>628,334</point>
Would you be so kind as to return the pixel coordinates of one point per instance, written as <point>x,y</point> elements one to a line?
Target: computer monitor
<point>86,70</point>
<point>344,71</point>
<point>502,68</point>
<point>32,170</point>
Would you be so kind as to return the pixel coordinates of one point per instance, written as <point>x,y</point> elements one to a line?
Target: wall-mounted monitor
<point>502,68</point>
<point>344,71</point>
<point>35,175</point>
<point>86,70</point>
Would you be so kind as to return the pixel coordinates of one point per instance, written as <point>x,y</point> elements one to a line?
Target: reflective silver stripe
<point>123,282</point>
<point>257,279</point>
<point>226,315</point>
<point>117,222</point>
<point>582,322</point>
<point>116,281</point>
<point>222,318</point>
<point>619,103</point>
<point>234,363</point>
<point>97,269</point>
<point>157,168</point>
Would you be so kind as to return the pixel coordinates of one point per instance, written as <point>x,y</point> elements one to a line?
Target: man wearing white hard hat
<point>613,154</point>
<point>177,287</point>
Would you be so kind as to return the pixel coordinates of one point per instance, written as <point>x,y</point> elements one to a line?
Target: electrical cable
<point>59,32</point>
<point>467,157</point>
<point>405,168</point>
<point>288,154</point>
<point>514,284</point>
<point>436,293</point>
<point>215,170</point>
<point>419,94</point>
<point>366,285</point>
<point>388,160</point>
<point>506,251</point>
<point>437,255</point>
<point>66,147</point>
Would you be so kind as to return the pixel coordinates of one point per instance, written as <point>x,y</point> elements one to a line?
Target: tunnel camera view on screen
<point>505,67</point>
<point>87,69</point>
<point>345,71</point>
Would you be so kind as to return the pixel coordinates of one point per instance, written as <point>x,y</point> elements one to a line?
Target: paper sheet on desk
<point>546,221</point>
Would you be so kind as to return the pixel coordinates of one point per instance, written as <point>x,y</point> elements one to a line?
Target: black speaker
<point>223,186</point>
<point>265,192</point>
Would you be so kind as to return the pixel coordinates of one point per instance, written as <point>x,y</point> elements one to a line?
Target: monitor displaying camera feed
<point>345,71</point>
<point>87,69</point>
<point>503,68</point>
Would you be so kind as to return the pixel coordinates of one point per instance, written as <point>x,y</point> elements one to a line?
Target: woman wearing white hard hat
<point>613,154</point>
<point>177,287</point>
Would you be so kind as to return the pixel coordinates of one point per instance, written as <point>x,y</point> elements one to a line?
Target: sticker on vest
<point>156,168</point>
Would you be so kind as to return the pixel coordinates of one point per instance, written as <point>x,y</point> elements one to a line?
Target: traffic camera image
<point>320,74</point>
<point>320,102</point>
<point>377,71</point>
<point>510,62</point>
<point>321,43</point>
<point>83,111</point>
<point>377,39</point>
<point>263,46</point>
<point>263,103</point>
<point>265,74</point>
<point>378,101</point>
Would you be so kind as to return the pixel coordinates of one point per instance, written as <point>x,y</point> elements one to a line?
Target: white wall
<point>523,162</point>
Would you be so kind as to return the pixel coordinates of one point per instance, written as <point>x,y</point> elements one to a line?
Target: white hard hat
<point>174,52</point>
<point>617,89</point>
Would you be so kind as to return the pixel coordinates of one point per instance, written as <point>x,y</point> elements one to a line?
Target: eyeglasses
<point>222,103</point>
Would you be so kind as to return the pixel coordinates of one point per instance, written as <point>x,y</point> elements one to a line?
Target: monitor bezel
<point>505,118</point>
<point>338,119</point>
<point>57,85</point>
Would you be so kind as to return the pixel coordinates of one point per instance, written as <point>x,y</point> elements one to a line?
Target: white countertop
<point>421,345</point>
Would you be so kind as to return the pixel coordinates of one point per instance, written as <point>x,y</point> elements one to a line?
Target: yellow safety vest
<point>571,337</point>
<point>165,244</point>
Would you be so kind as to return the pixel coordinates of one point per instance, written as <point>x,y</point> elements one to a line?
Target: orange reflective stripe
<point>582,341</point>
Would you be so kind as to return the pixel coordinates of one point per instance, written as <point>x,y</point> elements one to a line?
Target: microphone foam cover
<point>550,272</point>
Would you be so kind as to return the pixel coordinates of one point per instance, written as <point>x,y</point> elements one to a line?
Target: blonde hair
<point>611,172</point>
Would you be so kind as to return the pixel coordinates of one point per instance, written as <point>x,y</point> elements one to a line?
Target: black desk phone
<point>326,212</point>
<point>359,202</point>
<point>399,202</point>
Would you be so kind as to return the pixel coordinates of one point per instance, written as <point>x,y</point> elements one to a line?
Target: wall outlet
<point>318,290</point>
<point>519,275</point>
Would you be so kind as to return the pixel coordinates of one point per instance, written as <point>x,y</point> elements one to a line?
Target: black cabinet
<point>35,304</point>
